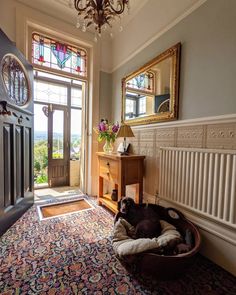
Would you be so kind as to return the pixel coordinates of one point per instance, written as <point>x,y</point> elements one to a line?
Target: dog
<point>145,220</point>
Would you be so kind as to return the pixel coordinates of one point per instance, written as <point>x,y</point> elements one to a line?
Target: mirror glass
<point>150,94</point>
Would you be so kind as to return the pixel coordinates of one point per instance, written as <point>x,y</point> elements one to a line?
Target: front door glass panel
<point>58,134</point>
<point>76,134</point>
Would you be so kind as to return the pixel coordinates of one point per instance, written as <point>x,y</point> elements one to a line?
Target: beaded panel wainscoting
<point>210,133</point>
<point>73,254</point>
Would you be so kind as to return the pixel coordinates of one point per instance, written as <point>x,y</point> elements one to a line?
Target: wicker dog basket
<point>163,266</point>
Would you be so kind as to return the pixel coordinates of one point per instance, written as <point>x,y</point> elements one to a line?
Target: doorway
<point>58,135</point>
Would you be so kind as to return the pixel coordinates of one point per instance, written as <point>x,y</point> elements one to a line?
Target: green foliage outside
<point>40,161</point>
<point>56,155</point>
<point>41,156</point>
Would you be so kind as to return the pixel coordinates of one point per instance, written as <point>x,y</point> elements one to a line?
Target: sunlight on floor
<point>45,194</point>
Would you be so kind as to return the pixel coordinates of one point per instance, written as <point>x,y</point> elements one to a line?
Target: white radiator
<point>201,180</point>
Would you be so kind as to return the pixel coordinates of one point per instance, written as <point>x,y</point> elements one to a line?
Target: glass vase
<point>108,147</point>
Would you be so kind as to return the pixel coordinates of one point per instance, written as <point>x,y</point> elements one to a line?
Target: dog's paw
<point>182,248</point>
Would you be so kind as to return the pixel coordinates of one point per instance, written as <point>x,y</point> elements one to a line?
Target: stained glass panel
<point>51,53</point>
<point>15,80</point>
<point>143,82</point>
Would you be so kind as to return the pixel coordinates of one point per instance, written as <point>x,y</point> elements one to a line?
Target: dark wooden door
<point>58,146</point>
<point>16,133</point>
<point>16,183</point>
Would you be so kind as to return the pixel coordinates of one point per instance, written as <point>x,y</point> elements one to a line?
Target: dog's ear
<point>119,205</point>
<point>130,201</point>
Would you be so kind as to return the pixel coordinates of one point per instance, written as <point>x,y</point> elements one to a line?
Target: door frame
<point>84,135</point>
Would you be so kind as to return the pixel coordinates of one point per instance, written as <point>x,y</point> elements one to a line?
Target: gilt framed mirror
<point>151,93</point>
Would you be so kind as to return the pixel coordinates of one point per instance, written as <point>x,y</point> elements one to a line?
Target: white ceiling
<point>60,9</point>
<point>148,20</point>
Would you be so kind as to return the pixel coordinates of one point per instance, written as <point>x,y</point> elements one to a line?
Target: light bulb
<point>83,28</point>
<point>77,22</point>
<point>95,39</point>
<point>120,28</point>
<point>111,35</point>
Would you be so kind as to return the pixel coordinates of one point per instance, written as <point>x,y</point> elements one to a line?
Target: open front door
<point>16,133</point>
<point>58,146</point>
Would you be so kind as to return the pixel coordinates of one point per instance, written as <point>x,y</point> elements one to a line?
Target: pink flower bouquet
<point>106,131</point>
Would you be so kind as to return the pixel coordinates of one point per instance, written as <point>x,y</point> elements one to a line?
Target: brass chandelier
<point>99,13</point>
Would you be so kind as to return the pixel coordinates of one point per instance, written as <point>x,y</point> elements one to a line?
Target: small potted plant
<point>107,132</point>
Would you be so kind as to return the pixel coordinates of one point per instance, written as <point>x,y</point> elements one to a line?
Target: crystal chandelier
<point>99,13</point>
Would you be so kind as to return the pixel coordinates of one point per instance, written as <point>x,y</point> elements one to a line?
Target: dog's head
<point>125,204</point>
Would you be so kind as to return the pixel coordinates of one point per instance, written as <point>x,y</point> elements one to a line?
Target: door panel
<point>18,162</point>
<point>58,151</point>
<point>7,148</point>
<point>27,160</point>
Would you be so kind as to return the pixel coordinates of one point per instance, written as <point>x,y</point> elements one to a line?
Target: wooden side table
<point>120,171</point>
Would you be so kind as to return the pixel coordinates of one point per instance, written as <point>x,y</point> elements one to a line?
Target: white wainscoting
<point>206,194</point>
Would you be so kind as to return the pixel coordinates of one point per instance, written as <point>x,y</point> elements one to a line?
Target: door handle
<point>4,110</point>
<point>20,119</point>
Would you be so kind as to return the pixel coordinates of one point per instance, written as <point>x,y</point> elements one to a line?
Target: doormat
<point>63,208</point>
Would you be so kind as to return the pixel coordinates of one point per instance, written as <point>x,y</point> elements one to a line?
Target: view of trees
<point>40,161</point>
<point>41,154</point>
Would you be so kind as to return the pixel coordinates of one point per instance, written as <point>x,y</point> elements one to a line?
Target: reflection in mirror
<point>151,94</point>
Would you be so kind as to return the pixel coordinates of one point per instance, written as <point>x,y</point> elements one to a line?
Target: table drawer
<point>108,169</point>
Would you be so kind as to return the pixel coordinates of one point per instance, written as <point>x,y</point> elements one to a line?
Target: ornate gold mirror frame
<point>151,93</point>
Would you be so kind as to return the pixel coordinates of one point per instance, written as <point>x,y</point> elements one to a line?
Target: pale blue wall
<point>208,61</point>
<point>105,107</point>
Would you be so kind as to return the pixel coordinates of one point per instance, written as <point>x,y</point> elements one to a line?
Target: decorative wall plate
<point>15,79</point>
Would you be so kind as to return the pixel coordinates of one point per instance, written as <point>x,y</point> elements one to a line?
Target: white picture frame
<point>120,148</point>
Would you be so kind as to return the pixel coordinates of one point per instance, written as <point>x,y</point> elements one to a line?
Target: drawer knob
<point>108,164</point>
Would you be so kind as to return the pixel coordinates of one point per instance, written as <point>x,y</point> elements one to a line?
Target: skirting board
<point>214,246</point>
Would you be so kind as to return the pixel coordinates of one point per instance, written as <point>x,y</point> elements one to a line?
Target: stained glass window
<point>143,82</point>
<point>15,80</point>
<point>53,54</point>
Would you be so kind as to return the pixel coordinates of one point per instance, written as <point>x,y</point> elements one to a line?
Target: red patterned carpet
<point>73,255</point>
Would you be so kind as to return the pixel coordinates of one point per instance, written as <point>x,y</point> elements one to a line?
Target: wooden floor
<point>41,195</point>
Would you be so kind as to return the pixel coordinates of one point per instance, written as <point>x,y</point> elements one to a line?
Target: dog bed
<point>124,244</point>
<point>149,260</point>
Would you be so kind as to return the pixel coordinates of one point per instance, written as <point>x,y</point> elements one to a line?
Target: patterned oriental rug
<point>73,254</point>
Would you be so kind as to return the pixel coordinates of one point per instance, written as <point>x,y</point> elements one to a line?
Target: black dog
<point>145,220</point>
